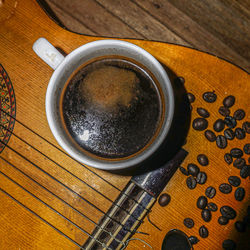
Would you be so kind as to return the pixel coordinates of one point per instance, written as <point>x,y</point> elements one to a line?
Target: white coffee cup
<point>63,69</point>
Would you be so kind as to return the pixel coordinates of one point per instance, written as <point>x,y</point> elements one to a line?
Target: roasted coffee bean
<point>223,220</point>
<point>246,127</point>
<point>193,169</point>
<point>236,153</point>
<point>245,171</point>
<point>164,200</point>
<point>201,178</point>
<point>224,111</point>
<point>212,207</point>
<point>234,181</point>
<point>191,182</point>
<point>225,188</point>
<point>229,134</point>
<point>246,148</point>
<point>230,121</point>
<point>210,192</point>
<point>240,133</point>
<point>206,215</point>
<point>191,97</point>
<point>200,124</point>
<point>210,135</point>
<point>239,114</point>
<point>183,170</point>
<point>203,232</point>
<point>239,194</point>
<point>219,125</point>
<point>240,226</point>
<point>228,158</point>
<point>209,97</point>
<point>221,141</point>
<point>202,159</point>
<point>239,163</point>
<point>193,240</point>
<point>228,212</point>
<point>203,112</point>
<point>201,202</point>
<point>229,101</point>
<point>229,245</point>
<point>188,222</point>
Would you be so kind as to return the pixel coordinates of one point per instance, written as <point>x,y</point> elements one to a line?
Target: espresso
<point>111,107</point>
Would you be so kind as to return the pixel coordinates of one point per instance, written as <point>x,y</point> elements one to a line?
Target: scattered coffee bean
<point>193,169</point>
<point>201,178</point>
<point>164,199</point>
<point>200,124</point>
<point>245,171</point>
<point>206,215</point>
<point>240,133</point>
<point>240,226</point>
<point>203,232</point>
<point>239,114</point>
<point>221,141</point>
<point>246,148</point>
<point>228,212</point>
<point>191,97</point>
<point>183,170</point>
<point>230,121</point>
<point>210,192</point>
<point>236,153</point>
<point>193,240</point>
<point>191,182</point>
<point>223,220</point>
<point>203,112</point>
<point>229,101</point>
<point>246,127</point>
<point>202,159</point>
<point>239,163</point>
<point>229,244</point>
<point>201,202</point>
<point>212,207</point>
<point>229,134</point>
<point>219,125</point>
<point>188,222</point>
<point>224,111</point>
<point>210,135</point>
<point>228,158</point>
<point>239,194</point>
<point>225,188</point>
<point>209,97</point>
<point>234,181</point>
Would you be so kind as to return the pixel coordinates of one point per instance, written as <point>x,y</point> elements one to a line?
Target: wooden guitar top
<point>39,183</point>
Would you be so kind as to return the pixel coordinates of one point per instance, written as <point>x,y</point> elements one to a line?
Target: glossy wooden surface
<point>22,229</point>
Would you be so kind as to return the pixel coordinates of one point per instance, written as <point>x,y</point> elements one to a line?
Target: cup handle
<point>48,53</point>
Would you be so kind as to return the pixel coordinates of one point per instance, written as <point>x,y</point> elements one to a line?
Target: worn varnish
<point>218,27</point>
<point>33,170</point>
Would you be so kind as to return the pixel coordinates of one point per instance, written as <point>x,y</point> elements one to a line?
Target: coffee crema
<point>111,107</point>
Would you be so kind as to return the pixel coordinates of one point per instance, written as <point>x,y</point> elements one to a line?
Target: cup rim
<point>119,164</point>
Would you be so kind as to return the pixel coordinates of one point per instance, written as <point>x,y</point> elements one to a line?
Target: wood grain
<point>37,173</point>
<point>218,27</point>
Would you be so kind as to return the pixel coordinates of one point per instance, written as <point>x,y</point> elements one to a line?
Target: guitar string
<point>68,188</point>
<point>104,196</point>
<point>31,211</point>
<point>54,210</point>
<point>109,183</point>
<point>79,212</point>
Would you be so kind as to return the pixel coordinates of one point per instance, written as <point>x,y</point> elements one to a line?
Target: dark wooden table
<point>220,27</point>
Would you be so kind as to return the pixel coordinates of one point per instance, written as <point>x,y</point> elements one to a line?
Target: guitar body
<point>40,184</point>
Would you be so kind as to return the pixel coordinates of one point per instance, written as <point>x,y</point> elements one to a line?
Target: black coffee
<point>112,107</point>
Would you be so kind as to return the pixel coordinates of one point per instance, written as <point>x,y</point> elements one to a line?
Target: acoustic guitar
<point>50,201</point>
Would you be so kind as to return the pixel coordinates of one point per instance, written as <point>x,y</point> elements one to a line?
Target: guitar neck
<point>131,207</point>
